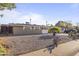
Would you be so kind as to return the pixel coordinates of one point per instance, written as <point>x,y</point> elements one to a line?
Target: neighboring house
<point>21,29</point>
<point>64,25</point>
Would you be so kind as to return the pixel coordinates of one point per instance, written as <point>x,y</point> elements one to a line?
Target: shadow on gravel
<point>50,48</point>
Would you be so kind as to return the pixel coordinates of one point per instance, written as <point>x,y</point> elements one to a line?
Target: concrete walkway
<point>66,49</point>
<point>77,54</point>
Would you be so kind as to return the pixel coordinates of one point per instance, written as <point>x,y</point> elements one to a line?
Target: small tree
<point>56,29</point>
<point>8,6</point>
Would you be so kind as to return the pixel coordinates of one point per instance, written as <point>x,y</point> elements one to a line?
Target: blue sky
<point>40,12</point>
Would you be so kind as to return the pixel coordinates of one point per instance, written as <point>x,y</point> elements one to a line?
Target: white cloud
<point>9,16</point>
<point>35,18</point>
<point>17,17</point>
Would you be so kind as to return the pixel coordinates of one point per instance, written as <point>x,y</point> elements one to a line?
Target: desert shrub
<point>3,48</point>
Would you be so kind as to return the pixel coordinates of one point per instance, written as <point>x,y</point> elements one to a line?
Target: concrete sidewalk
<point>66,49</point>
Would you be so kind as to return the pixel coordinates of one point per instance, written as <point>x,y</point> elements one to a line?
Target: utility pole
<point>30,20</point>
<point>46,22</point>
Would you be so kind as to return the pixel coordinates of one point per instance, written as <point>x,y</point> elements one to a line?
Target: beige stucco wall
<point>21,30</point>
<point>17,30</point>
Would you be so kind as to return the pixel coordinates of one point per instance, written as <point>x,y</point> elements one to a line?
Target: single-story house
<point>21,29</point>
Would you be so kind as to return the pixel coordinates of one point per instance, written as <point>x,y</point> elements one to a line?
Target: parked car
<point>70,30</point>
<point>77,30</point>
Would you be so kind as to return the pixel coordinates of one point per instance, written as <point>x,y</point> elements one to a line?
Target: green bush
<point>56,29</point>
